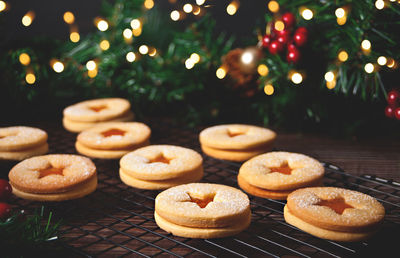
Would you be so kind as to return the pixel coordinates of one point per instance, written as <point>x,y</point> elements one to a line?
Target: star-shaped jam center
<point>98,108</point>
<point>161,158</point>
<point>234,133</point>
<point>338,205</point>
<point>202,202</point>
<point>113,131</point>
<point>51,171</point>
<point>283,169</point>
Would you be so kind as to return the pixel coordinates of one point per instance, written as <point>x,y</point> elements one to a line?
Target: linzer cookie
<point>112,140</point>
<point>236,142</point>
<point>21,142</point>
<point>274,175</point>
<point>86,114</point>
<point>334,213</point>
<point>200,210</point>
<point>160,167</point>
<point>54,177</point>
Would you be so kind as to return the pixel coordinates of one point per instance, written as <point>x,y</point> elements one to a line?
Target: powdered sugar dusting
<point>257,170</point>
<point>82,111</point>
<point>76,169</point>
<point>21,137</point>
<point>135,133</point>
<point>366,210</point>
<point>181,161</point>
<point>228,201</point>
<point>250,136</point>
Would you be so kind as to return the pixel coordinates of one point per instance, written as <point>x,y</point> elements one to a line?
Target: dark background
<point>48,23</point>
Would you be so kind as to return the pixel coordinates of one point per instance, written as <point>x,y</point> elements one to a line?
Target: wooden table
<point>379,156</point>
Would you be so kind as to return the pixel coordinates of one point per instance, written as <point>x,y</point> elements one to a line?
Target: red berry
<point>397,113</point>
<point>275,47</point>
<point>282,39</point>
<point>291,46</point>
<point>285,33</point>
<point>5,190</point>
<point>393,98</point>
<point>266,40</point>
<point>293,56</point>
<point>389,112</point>
<point>5,210</point>
<point>301,30</point>
<point>288,19</point>
<point>300,39</point>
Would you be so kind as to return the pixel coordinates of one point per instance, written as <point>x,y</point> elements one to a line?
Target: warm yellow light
<point>24,59</point>
<point>189,63</point>
<point>221,73</point>
<point>104,45</point>
<point>69,17</point>
<point>143,49</point>
<point>329,76</point>
<point>102,25</point>
<point>175,15</point>
<point>30,78</point>
<point>187,8</point>
<point>74,36</point>
<point>135,24</point>
<point>341,21</point>
<point>247,57</point>
<point>196,10</point>
<point>296,78</point>
<point>382,60</point>
<point>152,51</point>
<point>91,65</point>
<point>58,67</point>
<point>273,6</point>
<point>127,33</point>
<point>331,84</point>
<point>269,89</point>
<point>195,58</point>
<point>262,70</point>
<point>380,4</point>
<point>340,12</point>
<point>391,63</point>
<point>231,9</point>
<point>369,68</point>
<point>200,2</point>
<point>28,18</point>
<point>130,57</point>
<point>366,44</point>
<point>343,56</point>
<point>137,32</point>
<point>148,4</point>
<point>3,6</point>
<point>92,73</point>
<point>279,26</point>
<point>307,14</point>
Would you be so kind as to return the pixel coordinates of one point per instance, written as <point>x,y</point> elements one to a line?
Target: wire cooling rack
<point>117,220</point>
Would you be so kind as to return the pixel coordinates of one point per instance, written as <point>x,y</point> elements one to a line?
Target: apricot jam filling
<point>113,131</point>
<point>283,169</point>
<point>98,108</point>
<point>233,133</point>
<point>161,158</point>
<point>51,171</point>
<point>338,205</point>
<point>202,203</point>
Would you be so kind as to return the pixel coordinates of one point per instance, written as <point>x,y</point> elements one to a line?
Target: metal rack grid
<point>117,220</point>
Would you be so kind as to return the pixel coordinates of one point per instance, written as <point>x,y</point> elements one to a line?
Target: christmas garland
<point>323,69</point>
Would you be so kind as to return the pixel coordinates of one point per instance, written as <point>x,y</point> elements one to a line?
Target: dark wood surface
<point>379,156</point>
